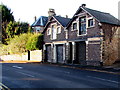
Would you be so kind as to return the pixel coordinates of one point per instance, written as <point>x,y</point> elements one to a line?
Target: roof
<point>100,16</point>
<point>41,21</point>
<point>63,21</point>
<point>103,17</point>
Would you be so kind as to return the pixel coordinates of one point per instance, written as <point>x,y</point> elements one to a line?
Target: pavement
<point>114,69</point>
<point>20,61</point>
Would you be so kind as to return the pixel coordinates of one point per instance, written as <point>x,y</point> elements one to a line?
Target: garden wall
<point>34,56</point>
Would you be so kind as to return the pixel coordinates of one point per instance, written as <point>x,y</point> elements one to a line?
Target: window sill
<point>90,27</point>
<point>58,33</point>
<point>48,34</point>
<point>82,35</point>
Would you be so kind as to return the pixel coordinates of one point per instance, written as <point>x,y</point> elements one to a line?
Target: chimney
<point>35,18</point>
<point>51,12</point>
<point>66,16</point>
<point>83,5</point>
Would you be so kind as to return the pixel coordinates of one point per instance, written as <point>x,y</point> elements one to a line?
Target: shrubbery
<point>34,42</point>
<point>22,43</point>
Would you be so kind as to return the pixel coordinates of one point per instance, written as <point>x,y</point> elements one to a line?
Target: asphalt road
<point>51,76</point>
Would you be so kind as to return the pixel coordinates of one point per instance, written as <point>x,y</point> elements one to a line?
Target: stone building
<point>90,37</point>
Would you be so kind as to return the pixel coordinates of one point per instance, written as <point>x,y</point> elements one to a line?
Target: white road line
<point>17,67</point>
<point>104,79</point>
<point>26,74</point>
<point>4,87</point>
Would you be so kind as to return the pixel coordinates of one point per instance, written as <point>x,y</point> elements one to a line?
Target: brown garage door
<point>59,50</point>
<point>81,52</point>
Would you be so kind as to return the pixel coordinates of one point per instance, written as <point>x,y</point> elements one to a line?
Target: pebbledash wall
<point>34,56</point>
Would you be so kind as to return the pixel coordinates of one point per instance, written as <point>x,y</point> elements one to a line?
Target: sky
<point>26,10</point>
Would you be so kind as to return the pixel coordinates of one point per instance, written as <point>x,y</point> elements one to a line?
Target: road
<point>52,76</point>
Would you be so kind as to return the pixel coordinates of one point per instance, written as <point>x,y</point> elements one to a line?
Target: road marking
<point>17,67</point>
<point>104,79</point>
<point>3,87</point>
<point>26,74</point>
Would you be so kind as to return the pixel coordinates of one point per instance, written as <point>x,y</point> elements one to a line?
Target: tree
<point>16,28</point>
<point>7,16</point>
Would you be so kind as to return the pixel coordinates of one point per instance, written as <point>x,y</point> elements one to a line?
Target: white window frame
<point>57,29</point>
<point>73,24</point>
<point>54,24</point>
<point>88,22</point>
<point>79,27</point>
<point>49,31</point>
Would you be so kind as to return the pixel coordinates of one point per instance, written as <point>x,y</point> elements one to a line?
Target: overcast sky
<point>25,10</point>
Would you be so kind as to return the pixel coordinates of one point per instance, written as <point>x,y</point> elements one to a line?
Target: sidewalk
<point>18,61</point>
<point>114,69</point>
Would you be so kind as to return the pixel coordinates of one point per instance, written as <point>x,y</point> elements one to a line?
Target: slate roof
<point>100,16</point>
<point>40,21</point>
<point>103,17</point>
<point>63,21</point>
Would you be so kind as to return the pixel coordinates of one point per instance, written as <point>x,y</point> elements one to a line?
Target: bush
<point>22,43</point>
<point>35,42</point>
<point>3,49</point>
<point>18,44</point>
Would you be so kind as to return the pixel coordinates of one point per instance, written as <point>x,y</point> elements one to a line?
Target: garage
<point>48,53</point>
<point>81,52</point>
<point>59,52</point>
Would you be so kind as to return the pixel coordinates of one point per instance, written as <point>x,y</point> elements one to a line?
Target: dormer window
<point>58,30</point>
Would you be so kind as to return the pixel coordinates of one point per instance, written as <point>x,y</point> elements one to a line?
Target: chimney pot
<point>35,18</point>
<point>51,12</point>
<point>66,16</point>
<point>83,5</point>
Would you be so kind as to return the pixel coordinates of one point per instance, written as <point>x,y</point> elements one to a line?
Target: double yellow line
<point>3,87</point>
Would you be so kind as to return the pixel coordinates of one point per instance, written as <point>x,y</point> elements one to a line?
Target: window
<point>90,23</point>
<point>58,30</point>
<point>82,27</point>
<point>74,26</point>
<point>49,31</point>
<point>54,32</point>
<point>38,30</point>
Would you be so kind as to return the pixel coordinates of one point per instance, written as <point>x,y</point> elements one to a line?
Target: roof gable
<point>61,20</point>
<point>100,16</point>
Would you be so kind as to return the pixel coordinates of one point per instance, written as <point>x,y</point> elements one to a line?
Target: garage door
<point>59,50</point>
<point>48,53</point>
<point>81,52</point>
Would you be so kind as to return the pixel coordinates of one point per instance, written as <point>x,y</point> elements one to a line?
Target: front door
<point>59,51</point>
